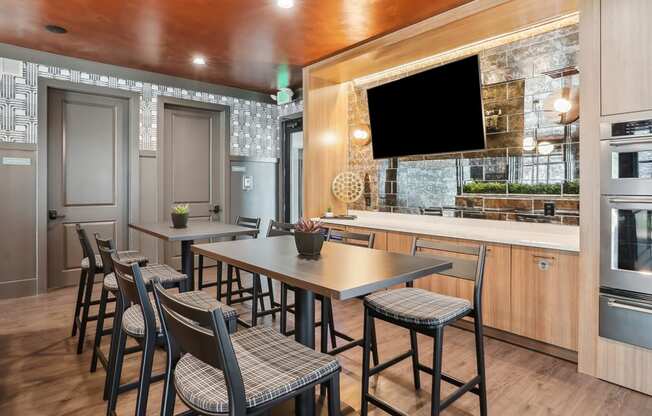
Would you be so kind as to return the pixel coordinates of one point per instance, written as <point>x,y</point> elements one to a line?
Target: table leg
<point>304,302</point>
<point>188,263</point>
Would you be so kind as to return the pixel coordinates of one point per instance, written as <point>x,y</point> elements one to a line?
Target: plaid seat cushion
<point>164,272</point>
<point>418,306</point>
<point>271,364</point>
<point>110,282</point>
<point>98,262</point>
<point>129,256</point>
<point>134,325</point>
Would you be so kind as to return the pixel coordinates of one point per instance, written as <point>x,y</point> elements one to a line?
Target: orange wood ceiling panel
<point>245,42</point>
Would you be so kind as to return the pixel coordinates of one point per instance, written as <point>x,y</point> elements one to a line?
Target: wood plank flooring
<point>40,374</point>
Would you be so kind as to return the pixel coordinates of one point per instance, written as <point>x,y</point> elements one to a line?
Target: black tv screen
<point>435,111</point>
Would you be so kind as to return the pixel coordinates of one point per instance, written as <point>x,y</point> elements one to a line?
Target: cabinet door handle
<point>543,262</point>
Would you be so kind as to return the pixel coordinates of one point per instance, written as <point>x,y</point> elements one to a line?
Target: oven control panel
<point>631,128</point>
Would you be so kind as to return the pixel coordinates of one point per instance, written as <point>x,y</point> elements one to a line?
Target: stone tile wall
<point>515,87</point>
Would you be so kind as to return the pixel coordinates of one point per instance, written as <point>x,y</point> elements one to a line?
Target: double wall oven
<point>626,232</point>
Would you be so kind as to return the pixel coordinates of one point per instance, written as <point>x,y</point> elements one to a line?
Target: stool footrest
<point>347,346</point>
<point>383,366</point>
<point>384,406</point>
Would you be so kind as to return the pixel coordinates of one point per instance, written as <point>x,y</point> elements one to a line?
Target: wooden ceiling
<point>249,44</point>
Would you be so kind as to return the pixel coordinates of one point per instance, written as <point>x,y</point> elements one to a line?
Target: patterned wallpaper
<point>254,125</point>
<point>293,107</point>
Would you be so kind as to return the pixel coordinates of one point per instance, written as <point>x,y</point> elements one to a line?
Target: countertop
<point>549,236</point>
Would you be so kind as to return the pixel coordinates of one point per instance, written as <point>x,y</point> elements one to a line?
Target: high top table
<point>341,272</point>
<point>196,230</point>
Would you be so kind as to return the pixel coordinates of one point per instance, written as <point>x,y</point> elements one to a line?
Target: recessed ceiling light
<point>198,60</point>
<point>56,29</point>
<point>285,4</point>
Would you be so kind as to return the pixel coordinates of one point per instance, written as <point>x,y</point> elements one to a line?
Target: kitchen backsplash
<point>519,73</point>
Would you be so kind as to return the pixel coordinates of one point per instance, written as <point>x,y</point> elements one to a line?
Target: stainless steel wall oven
<point>626,232</point>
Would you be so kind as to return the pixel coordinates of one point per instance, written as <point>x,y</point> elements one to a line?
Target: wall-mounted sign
<point>247,183</point>
<point>16,161</point>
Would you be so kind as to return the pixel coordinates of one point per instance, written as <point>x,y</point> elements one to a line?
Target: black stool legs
<point>85,309</point>
<point>80,295</point>
<point>476,385</point>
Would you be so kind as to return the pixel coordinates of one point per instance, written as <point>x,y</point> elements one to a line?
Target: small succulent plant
<point>329,209</point>
<point>306,225</point>
<point>180,209</point>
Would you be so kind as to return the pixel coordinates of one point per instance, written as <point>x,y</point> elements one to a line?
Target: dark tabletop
<point>340,272</point>
<point>196,230</point>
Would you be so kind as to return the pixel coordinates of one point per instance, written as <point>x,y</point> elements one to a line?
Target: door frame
<point>133,168</point>
<point>283,177</point>
<point>224,140</point>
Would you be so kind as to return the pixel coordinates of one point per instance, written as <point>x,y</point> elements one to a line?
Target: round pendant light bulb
<point>562,105</point>
<point>285,4</point>
<point>199,60</point>
<point>360,134</point>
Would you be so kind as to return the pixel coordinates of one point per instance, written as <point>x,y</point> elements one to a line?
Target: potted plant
<point>329,213</point>
<point>179,215</point>
<point>308,237</point>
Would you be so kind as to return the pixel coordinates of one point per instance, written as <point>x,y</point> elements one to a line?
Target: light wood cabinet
<point>626,56</point>
<point>496,293</point>
<point>544,295</point>
<point>399,243</point>
<point>527,291</point>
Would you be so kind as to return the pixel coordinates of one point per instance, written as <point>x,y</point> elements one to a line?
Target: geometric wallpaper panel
<point>254,125</point>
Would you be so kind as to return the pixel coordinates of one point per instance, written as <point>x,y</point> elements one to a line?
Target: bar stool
<point>248,222</point>
<point>136,317</point>
<point>247,373</point>
<point>428,313</point>
<point>106,248</point>
<point>255,292</point>
<point>91,265</point>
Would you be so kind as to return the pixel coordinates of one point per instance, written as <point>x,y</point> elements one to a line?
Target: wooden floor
<point>40,374</point>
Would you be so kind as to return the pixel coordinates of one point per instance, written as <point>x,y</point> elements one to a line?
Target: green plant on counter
<point>572,187</point>
<point>569,188</point>
<point>180,209</point>
<point>535,189</point>
<point>485,188</point>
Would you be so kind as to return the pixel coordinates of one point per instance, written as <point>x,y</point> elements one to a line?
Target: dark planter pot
<point>308,244</point>
<point>179,220</point>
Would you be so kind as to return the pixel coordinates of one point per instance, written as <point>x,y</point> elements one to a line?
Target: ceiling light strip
<point>472,48</point>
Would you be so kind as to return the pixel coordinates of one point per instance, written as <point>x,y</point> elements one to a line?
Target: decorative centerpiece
<point>179,215</point>
<point>308,237</point>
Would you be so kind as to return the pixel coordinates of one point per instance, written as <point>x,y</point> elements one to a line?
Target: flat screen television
<point>434,111</point>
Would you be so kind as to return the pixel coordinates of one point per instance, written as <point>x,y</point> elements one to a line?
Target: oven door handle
<point>624,142</point>
<point>625,200</point>
<point>612,303</point>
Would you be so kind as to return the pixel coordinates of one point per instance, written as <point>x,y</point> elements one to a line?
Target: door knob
<point>216,209</point>
<point>54,215</point>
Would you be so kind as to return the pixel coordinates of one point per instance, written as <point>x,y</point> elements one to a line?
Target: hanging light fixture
<point>360,134</point>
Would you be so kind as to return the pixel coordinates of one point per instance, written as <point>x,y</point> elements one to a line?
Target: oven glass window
<point>634,239</point>
<point>632,165</point>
